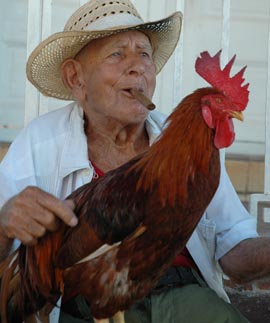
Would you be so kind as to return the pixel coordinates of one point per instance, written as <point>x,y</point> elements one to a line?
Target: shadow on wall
<point>247,176</point>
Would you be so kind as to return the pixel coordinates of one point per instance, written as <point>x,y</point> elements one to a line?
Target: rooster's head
<point>231,99</point>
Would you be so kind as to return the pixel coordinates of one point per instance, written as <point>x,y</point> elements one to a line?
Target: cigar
<point>143,99</point>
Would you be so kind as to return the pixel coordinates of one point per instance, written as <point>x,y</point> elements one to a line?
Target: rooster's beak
<point>237,115</point>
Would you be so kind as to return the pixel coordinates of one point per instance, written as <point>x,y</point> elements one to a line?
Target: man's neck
<point>109,147</point>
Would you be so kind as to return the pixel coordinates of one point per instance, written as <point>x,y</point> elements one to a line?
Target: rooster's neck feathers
<point>192,142</point>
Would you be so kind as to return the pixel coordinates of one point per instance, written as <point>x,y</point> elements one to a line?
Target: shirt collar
<point>74,153</point>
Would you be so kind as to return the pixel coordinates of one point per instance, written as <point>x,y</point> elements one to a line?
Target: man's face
<point>111,67</point>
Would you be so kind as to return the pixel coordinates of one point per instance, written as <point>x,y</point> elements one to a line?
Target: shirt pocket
<point>208,230</point>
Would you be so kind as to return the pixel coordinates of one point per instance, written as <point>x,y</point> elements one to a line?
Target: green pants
<point>188,304</point>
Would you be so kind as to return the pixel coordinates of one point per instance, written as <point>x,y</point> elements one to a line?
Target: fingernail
<point>73,222</point>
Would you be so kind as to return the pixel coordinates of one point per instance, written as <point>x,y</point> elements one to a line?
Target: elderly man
<point>104,51</point>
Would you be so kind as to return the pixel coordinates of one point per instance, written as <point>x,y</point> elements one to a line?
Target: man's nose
<point>136,65</point>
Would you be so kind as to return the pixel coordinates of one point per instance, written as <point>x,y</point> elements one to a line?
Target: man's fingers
<point>27,231</point>
<point>61,209</point>
<point>26,238</point>
<point>70,203</point>
<point>32,212</point>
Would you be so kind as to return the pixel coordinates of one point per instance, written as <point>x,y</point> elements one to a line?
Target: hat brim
<point>43,67</point>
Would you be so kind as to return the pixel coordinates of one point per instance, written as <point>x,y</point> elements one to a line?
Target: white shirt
<point>51,153</point>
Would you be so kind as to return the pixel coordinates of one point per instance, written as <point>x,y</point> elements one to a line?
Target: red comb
<point>209,68</point>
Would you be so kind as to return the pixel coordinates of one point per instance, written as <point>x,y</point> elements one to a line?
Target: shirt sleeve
<point>230,218</point>
<point>8,187</point>
<point>16,168</point>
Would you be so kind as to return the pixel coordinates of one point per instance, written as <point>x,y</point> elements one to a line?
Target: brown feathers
<point>183,149</point>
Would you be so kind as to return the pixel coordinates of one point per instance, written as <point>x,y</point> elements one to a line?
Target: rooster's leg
<point>119,317</point>
<point>102,321</point>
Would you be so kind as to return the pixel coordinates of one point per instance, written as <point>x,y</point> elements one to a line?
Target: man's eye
<point>145,54</point>
<point>115,54</point>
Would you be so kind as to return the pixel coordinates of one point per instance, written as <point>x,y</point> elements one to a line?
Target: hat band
<point>113,21</point>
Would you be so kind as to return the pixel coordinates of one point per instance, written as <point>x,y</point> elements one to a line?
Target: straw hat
<point>97,19</point>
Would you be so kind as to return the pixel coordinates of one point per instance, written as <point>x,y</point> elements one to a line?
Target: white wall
<point>202,30</point>
<point>13,33</point>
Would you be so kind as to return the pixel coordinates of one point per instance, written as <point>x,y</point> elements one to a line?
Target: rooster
<point>135,219</point>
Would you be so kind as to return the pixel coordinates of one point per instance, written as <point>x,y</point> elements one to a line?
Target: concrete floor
<point>255,308</point>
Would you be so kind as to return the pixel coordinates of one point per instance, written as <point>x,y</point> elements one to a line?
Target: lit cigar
<point>143,99</point>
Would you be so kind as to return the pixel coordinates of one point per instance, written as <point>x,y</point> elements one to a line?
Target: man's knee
<point>196,304</point>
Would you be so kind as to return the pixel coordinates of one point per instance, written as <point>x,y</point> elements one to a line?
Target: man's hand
<point>28,215</point>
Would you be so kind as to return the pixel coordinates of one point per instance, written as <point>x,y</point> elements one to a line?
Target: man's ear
<point>72,77</point>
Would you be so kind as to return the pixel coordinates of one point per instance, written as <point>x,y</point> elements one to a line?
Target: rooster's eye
<point>218,100</point>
